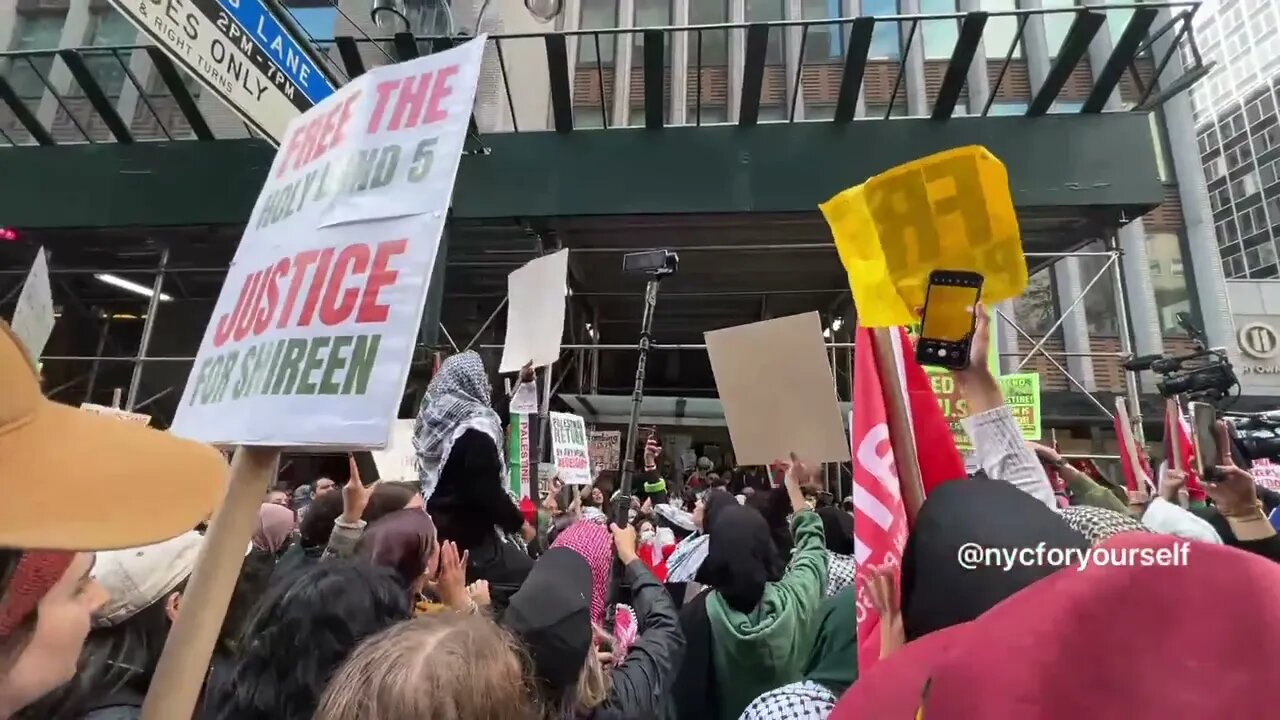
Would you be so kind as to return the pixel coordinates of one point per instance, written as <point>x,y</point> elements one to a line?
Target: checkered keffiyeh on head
<point>457,400</point>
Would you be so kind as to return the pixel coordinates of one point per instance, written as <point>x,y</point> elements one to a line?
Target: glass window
<point>709,115</point>
<point>886,41</point>
<point>1066,107</point>
<point>1117,21</point>
<point>1233,266</point>
<point>588,117</point>
<point>1168,278</point>
<point>1008,107</point>
<point>596,15</point>
<point>1036,310</point>
<point>1270,173</point>
<point>814,111</point>
<point>940,36</point>
<point>878,110</point>
<point>110,28</point>
<point>1100,302</point>
<point>768,11</point>
<point>772,113</point>
<point>1227,232</point>
<point>1056,25</point>
<point>823,43</point>
<point>650,13</point>
<point>1266,139</point>
<point>35,32</point>
<point>715,43</point>
<point>1000,30</point>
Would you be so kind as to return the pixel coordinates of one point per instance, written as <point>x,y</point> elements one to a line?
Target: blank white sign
<point>535,312</point>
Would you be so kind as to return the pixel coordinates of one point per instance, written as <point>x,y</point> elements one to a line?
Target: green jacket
<point>767,648</point>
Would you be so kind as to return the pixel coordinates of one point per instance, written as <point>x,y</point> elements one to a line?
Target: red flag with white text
<point>879,515</point>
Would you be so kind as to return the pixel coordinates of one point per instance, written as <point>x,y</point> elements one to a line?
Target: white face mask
<point>646,535</point>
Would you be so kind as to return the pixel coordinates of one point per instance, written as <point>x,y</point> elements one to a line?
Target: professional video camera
<point>1256,435</point>
<point>1204,374</point>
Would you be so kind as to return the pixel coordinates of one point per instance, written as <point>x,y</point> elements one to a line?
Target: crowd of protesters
<point>731,595</point>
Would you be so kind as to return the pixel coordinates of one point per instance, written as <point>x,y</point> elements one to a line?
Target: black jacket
<point>468,503</point>
<point>642,684</point>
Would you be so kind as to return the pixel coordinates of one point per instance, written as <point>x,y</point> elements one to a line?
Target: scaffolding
<point>581,361</point>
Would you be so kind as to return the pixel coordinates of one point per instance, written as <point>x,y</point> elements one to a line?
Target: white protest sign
<point>396,461</point>
<point>33,318</point>
<point>116,413</point>
<point>535,312</point>
<point>605,448</point>
<point>310,341</point>
<point>569,448</point>
<point>525,399</point>
<point>1266,473</point>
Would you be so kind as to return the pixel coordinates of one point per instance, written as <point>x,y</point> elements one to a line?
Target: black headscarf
<point>741,557</point>
<point>837,528</point>
<point>937,592</point>
<point>713,502</point>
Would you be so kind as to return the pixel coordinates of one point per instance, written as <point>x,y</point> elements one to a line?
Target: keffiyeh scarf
<point>457,400</point>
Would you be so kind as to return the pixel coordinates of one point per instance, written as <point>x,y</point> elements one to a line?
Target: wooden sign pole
<point>180,674</point>
<point>901,435</point>
<point>1173,411</point>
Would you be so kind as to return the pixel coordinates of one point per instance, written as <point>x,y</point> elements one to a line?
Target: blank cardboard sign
<point>775,384</point>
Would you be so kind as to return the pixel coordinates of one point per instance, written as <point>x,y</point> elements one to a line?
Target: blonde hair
<point>592,689</point>
<point>447,666</point>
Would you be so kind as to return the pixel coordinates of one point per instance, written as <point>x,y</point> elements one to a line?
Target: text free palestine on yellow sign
<point>952,210</point>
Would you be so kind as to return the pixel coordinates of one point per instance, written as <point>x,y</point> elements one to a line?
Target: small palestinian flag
<point>519,464</point>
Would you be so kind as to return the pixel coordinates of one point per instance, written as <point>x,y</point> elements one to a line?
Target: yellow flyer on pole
<point>951,210</point>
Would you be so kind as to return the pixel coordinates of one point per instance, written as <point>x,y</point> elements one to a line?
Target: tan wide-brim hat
<point>75,480</point>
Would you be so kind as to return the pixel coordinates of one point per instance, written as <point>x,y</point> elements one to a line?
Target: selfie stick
<point>657,264</point>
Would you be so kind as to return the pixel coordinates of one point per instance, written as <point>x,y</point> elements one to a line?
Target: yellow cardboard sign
<point>951,210</point>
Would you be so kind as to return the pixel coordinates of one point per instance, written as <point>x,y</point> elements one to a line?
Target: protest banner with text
<point>569,448</point>
<point>605,447</point>
<point>311,338</point>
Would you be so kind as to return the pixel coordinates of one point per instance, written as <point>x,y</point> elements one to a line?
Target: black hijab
<point>837,528</point>
<point>741,557</point>
<point>713,502</point>
<point>936,591</point>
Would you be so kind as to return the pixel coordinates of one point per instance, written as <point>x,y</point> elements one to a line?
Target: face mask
<point>646,535</point>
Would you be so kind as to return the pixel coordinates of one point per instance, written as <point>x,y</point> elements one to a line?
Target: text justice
<point>330,296</point>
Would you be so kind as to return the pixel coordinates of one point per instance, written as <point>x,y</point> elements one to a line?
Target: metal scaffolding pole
<point>97,359</point>
<point>148,327</point>
<point>1126,340</point>
<point>486,324</point>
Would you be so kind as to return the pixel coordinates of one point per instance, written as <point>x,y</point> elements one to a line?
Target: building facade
<point>1170,263</point>
<point>1238,132</point>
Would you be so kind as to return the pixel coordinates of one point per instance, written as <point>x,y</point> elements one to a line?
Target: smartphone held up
<point>947,323</point>
<point>1205,438</point>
